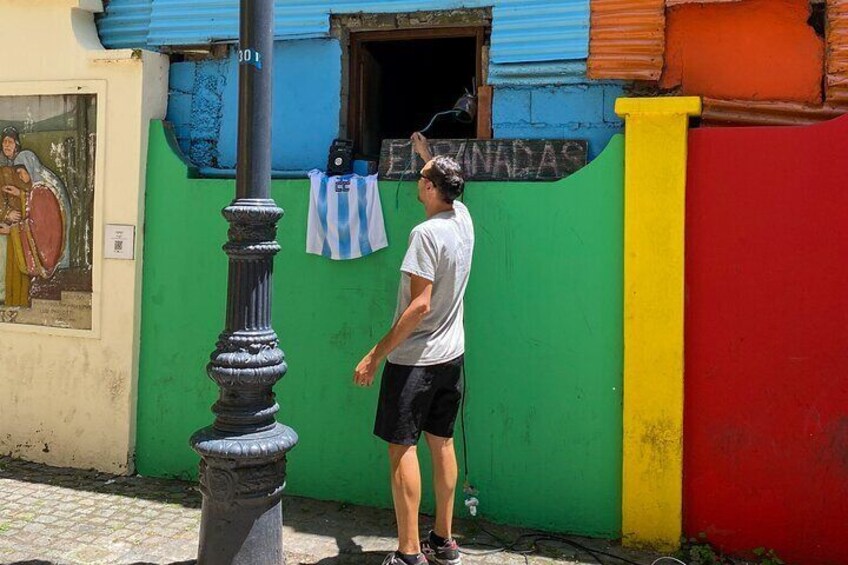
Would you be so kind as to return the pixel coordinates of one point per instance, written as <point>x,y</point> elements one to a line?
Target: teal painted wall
<point>544,340</point>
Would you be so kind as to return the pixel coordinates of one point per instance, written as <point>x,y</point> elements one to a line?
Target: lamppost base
<point>241,535</point>
<point>242,479</point>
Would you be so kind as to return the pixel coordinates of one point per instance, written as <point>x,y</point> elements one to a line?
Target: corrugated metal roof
<point>526,31</point>
<point>836,90</point>
<point>523,31</point>
<point>627,39</point>
<point>125,23</point>
<point>746,112</point>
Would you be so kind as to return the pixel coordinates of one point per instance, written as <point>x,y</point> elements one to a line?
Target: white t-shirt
<point>440,250</point>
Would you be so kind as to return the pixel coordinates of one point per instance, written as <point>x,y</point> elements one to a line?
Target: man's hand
<point>421,290</point>
<point>14,216</point>
<point>13,190</point>
<point>364,373</point>
<point>421,146</point>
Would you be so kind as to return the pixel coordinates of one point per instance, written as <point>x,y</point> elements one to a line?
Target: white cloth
<point>440,250</point>
<point>345,216</point>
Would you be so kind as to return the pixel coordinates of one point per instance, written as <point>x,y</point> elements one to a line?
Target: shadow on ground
<point>328,533</point>
<point>157,490</point>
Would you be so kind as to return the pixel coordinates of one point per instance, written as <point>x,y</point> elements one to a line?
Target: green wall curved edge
<point>544,340</point>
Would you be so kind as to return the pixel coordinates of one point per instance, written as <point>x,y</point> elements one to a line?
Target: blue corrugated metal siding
<point>550,73</point>
<point>177,22</point>
<point>523,31</point>
<point>532,31</point>
<point>125,23</point>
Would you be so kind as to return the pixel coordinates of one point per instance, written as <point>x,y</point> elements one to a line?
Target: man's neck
<point>438,208</point>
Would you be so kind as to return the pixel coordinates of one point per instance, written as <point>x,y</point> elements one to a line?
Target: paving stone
<point>90,554</point>
<point>66,516</point>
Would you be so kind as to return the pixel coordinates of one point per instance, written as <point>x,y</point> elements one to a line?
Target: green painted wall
<point>544,340</point>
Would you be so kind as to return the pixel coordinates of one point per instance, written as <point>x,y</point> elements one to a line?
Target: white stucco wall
<point>68,397</point>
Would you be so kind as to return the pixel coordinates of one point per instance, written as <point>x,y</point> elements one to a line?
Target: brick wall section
<point>195,108</point>
<point>582,111</point>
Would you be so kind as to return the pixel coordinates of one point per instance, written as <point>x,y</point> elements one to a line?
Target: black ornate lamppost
<point>243,454</point>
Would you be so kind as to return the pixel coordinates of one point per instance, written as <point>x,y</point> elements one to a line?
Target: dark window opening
<point>400,79</point>
<point>818,17</point>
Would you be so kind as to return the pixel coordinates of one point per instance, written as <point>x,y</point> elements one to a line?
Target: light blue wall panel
<point>583,111</point>
<point>203,106</point>
<point>307,105</point>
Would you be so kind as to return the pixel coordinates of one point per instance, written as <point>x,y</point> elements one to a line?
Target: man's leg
<point>406,493</point>
<point>444,482</point>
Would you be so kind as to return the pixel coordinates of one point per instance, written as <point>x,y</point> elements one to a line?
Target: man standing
<point>422,381</point>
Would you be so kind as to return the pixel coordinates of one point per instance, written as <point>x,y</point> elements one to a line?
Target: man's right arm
<point>421,146</point>
<point>421,291</point>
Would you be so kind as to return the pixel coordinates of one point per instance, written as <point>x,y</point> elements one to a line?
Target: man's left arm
<point>421,291</point>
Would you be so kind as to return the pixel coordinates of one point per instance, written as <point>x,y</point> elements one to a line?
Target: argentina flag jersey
<point>345,216</point>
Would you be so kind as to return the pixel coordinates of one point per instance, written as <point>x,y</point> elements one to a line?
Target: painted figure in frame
<point>14,154</point>
<point>47,169</point>
<point>36,241</point>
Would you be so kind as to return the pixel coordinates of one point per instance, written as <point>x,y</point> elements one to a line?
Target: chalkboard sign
<point>490,159</point>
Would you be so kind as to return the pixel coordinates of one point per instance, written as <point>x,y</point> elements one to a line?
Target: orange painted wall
<point>748,50</point>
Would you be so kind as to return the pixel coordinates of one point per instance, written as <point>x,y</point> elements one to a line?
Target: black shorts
<point>416,399</point>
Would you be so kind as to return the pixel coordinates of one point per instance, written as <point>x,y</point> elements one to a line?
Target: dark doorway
<point>400,79</point>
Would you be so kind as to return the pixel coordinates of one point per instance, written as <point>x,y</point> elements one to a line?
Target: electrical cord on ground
<point>533,539</point>
<point>668,558</point>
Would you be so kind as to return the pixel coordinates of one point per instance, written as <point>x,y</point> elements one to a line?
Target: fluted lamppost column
<point>243,453</point>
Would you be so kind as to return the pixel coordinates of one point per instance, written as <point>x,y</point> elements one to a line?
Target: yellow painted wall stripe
<point>654,218</point>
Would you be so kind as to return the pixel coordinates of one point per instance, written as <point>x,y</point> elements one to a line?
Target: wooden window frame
<point>355,101</point>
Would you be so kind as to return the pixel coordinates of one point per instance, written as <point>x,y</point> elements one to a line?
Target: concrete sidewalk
<point>53,515</point>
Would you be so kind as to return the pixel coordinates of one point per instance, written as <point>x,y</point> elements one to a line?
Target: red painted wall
<point>766,409</point>
<point>751,50</point>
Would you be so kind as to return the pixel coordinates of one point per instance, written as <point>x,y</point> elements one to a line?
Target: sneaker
<point>394,559</point>
<point>447,554</point>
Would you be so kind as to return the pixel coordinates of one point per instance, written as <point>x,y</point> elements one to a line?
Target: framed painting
<point>47,196</point>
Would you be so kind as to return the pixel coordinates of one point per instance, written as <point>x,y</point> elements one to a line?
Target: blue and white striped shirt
<point>345,216</point>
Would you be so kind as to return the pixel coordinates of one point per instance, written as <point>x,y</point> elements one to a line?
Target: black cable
<point>459,158</point>
<point>568,541</point>
<point>397,189</point>
<point>462,421</point>
<point>512,547</point>
<point>437,116</point>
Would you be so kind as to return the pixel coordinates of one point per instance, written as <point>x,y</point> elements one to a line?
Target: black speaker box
<point>340,161</point>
